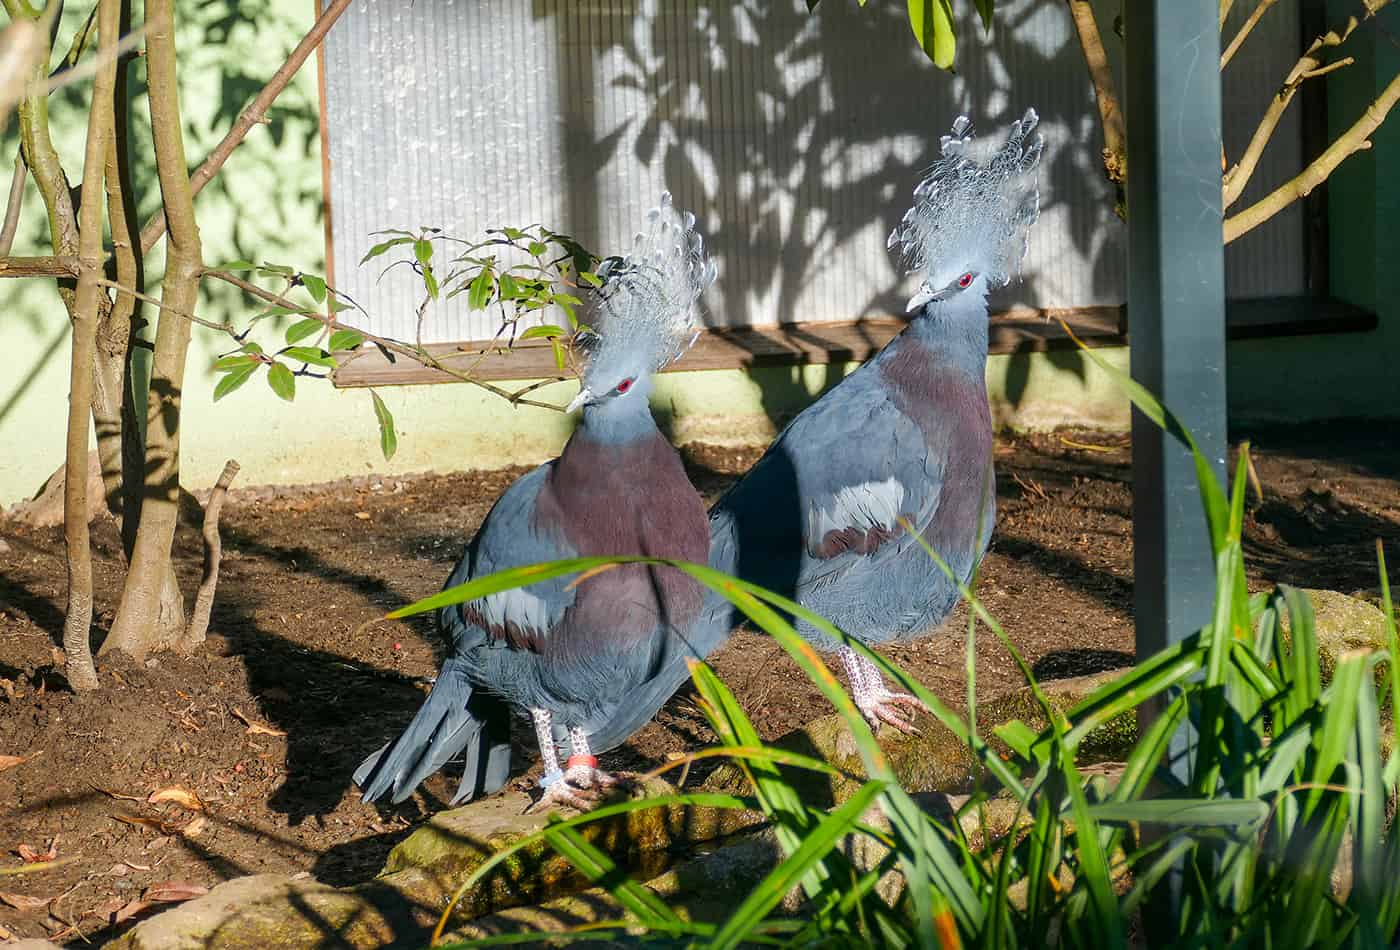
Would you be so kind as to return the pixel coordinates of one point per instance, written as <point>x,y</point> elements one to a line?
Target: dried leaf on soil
<point>29,856</point>
<point>10,761</point>
<point>106,909</point>
<point>131,909</point>
<point>179,796</point>
<point>255,727</point>
<point>170,892</point>
<point>194,828</point>
<point>118,795</point>
<point>155,824</point>
<point>6,933</point>
<point>24,901</point>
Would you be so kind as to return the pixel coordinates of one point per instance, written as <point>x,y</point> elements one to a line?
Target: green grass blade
<point>814,847</point>
<point>641,901</point>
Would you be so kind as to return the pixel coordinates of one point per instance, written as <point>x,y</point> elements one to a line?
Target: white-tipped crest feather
<point>973,209</point>
<point>644,314</point>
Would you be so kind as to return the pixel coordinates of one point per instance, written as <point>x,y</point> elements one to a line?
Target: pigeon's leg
<point>876,702</point>
<point>580,785</point>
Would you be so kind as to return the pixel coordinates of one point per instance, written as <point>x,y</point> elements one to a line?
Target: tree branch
<point>1355,139</point>
<point>1237,178</point>
<point>13,205</point>
<point>1254,17</point>
<point>251,116</point>
<point>77,623</point>
<point>61,266</point>
<point>198,626</point>
<point>1115,152</point>
<point>420,356</point>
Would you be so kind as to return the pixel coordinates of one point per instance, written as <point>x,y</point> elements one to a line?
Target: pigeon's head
<point>644,313</point>
<point>966,232</point>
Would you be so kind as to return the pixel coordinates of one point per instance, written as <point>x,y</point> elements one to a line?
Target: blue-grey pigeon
<point>583,656</point>
<point>907,438</point>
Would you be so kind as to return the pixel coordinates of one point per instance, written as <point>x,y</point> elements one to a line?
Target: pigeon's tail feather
<point>452,719</point>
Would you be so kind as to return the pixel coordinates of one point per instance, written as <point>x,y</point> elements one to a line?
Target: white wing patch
<point>864,506</point>
<point>519,608</point>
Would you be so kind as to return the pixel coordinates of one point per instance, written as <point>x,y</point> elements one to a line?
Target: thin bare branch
<point>251,116</point>
<point>21,45</point>
<point>13,205</point>
<point>61,266</point>
<point>1115,151</point>
<point>420,356</point>
<point>1237,178</point>
<point>1255,16</point>
<point>1355,139</point>
<point>1225,7</point>
<point>198,626</point>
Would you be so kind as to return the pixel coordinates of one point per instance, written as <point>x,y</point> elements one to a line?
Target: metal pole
<point>1176,314</point>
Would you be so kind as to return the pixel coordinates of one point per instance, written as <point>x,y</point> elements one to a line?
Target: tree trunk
<point>143,623</point>
<point>78,619</point>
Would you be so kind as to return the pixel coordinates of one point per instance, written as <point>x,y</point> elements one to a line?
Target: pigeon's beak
<point>925,294</point>
<point>585,395</point>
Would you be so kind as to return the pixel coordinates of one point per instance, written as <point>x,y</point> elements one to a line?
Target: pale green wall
<point>266,205</point>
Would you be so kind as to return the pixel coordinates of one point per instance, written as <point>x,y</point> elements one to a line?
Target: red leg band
<point>589,760</point>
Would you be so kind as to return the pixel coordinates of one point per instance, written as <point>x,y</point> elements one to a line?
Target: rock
<point>270,910</point>
<point>935,760</point>
<point>429,864</point>
<point>1343,623</point>
<point>31,943</point>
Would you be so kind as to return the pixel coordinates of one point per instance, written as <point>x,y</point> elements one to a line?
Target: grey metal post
<point>1176,309</point>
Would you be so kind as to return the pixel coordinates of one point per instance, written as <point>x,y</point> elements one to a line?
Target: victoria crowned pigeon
<point>907,437</point>
<point>583,656</point>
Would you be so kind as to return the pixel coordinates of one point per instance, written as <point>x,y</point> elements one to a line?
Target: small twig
<point>198,625</point>
<point>251,116</point>
<point>1355,139</point>
<point>12,205</point>
<point>422,357</point>
<point>1254,17</point>
<point>62,265</point>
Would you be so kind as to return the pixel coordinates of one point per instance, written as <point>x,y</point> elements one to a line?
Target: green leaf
<point>514,234</point>
<point>345,340</point>
<point>558,353</point>
<point>537,248</point>
<point>588,277</point>
<point>315,285</point>
<point>233,379</point>
<point>430,281</point>
<point>985,8</point>
<point>423,250</point>
<point>281,270</point>
<point>237,265</point>
<point>302,329</point>
<point>309,354</point>
<point>481,290</point>
<point>509,288</point>
<point>380,248</point>
<point>282,382</point>
<point>233,362</point>
<point>251,347</point>
<point>388,439</point>
<point>1185,812</point>
<point>932,23</point>
<point>547,330</point>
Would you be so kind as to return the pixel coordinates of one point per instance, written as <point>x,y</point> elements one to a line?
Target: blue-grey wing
<point>829,494</point>
<point>510,537</point>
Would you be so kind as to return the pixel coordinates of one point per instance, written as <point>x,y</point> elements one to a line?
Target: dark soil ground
<point>266,723</point>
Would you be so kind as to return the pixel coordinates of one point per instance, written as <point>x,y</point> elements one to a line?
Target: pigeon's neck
<point>954,332</point>
<point>618,421</point>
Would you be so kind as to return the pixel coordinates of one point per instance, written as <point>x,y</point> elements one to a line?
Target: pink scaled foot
<point>876,702</point>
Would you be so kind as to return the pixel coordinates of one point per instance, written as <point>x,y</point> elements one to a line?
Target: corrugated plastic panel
<point>797,138</point>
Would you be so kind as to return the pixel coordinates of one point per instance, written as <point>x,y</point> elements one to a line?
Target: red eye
<point>625,385</point>
<point>965,281</point>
